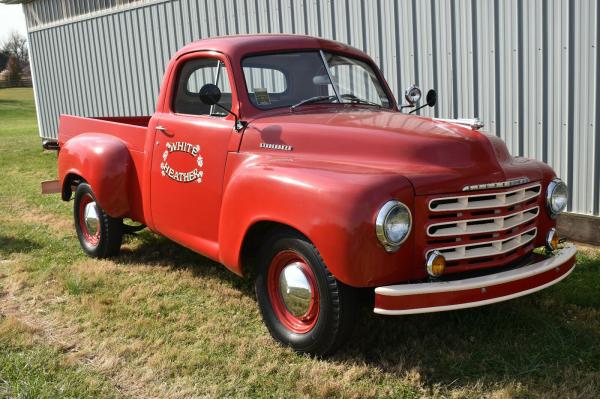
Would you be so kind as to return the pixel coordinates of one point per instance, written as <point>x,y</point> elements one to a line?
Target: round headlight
<point>557,197</point>
<point>393,224</point>
<point>412,95</point>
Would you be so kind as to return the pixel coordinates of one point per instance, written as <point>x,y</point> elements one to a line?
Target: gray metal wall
<point>528,69</point>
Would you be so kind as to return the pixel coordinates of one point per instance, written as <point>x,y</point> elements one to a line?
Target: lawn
<point>161,321</point>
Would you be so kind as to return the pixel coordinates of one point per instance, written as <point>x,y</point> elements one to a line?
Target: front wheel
<point>301,302</point>
<point>99,234</point>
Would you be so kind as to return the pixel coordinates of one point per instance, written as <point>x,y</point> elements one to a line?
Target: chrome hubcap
<point>295,289</point>
<point>92,221</point>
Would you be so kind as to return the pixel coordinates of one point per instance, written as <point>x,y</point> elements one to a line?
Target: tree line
<point>14,58</point>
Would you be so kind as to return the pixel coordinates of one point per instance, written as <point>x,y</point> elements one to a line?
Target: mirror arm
<point>418,108</point>
<point>239,125</point>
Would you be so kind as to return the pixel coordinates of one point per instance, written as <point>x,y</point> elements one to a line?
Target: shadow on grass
<point>157,250</point>
<point>14,103</point>
<point>536,341</point>
<point>548,339</point>
<point>10,245</point>
<point>517,341</point>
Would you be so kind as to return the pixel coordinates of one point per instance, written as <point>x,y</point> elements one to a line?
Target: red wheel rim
<point>299,324</point>
<point>92,239</point>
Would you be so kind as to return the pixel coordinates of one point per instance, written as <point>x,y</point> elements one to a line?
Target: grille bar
<point>481,201</point>
<point>490,248</point>
<point>482,225</point>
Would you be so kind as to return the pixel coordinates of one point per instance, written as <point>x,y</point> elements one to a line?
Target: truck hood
<point>436,156</point>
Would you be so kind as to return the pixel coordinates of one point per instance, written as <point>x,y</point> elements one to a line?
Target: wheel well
<point>253,239</point>
<point>70,180</point>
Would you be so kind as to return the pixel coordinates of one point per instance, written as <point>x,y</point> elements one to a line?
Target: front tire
<point>99,234</point>
<point>302,303</point>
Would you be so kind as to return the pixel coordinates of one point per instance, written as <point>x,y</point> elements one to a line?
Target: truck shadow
<point>532,342</point>
<point>155,250</point>
<point>10,245</point>
<point>551,338</point>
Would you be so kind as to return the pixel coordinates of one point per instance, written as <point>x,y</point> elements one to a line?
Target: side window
<point>192,76</point>
<point>271,80</point>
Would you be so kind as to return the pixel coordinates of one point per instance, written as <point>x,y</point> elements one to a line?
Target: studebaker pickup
<point>287,159</point>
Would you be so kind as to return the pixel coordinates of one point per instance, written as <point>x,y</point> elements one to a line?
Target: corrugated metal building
<point>529,69</point>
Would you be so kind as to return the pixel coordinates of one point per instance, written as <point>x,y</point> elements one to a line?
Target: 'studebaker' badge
<point>195,174</point>
<point>282,147</point>
<point>502,184</point>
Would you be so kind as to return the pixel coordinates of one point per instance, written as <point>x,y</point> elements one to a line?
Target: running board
<point>51,187</point>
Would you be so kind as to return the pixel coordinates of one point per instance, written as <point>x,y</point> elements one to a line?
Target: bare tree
<point>15,70</point>
<point>4,56</point>
<point>16,46</point>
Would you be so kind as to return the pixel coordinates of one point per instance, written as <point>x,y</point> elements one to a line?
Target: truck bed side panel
<point>131,131</point>
<point>127,129</point>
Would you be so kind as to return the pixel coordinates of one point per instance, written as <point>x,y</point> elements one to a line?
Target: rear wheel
<point>302,304</point>
<point>99,234</point>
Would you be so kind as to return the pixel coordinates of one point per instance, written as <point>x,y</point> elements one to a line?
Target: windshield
<point>311,77</point>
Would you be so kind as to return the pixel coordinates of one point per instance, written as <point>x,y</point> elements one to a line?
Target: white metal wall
<point>528,68</point>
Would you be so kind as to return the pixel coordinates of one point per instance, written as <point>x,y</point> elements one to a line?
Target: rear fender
<point>334,206</point>
<point>104,162</point>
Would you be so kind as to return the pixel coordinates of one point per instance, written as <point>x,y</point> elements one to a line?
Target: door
<point>190,150</point>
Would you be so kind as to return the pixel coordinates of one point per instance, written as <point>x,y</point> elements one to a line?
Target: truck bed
<point>131,129</point>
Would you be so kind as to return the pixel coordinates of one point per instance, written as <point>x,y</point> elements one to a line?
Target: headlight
<point>557,197</point>
<point>393,224</point>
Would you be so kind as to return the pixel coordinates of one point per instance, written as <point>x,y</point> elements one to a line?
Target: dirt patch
<point>26,323</point>
<point>21,212</point>
<point>587,249</point>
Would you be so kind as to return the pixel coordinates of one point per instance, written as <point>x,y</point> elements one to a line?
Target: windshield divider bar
<point>217,75</point>
<point>335,89</point>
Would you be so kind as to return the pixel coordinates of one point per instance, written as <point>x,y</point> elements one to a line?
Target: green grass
<point>29,368</point>
<point>161,321</point>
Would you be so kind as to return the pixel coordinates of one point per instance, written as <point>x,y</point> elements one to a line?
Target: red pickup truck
<point>286,158</point>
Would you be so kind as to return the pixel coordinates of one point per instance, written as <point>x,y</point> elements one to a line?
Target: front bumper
<point>467,293</point>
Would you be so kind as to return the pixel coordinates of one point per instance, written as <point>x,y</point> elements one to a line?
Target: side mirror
<point>431,98</point>
<point>210,94</point>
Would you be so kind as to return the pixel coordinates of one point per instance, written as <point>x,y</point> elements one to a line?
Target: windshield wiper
<point>365,102</point>
<point>355,100</point>
<point>315,99</point>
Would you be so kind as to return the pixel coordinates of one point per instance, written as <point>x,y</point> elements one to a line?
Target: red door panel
<point>187,177</point>
<point>191,144</point>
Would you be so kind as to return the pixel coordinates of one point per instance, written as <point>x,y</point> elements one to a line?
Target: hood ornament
<point>473,123</point>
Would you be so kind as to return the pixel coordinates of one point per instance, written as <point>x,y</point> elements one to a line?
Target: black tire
<point>337,303</point>
<point>104,243</point>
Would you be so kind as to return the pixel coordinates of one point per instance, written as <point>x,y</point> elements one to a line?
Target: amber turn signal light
<point>552,240</point>
<point>436,264</point>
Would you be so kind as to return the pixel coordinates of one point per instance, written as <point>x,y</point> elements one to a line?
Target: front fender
<point>332,204</point>
<point>104,162</point>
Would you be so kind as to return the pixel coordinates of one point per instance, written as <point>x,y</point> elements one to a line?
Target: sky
<point>11,18</point>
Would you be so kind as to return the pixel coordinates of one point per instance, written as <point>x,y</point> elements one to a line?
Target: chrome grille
<point>481,201</point>
<point>483,225</point>
<point>490,248</point>
<point>483,229</point>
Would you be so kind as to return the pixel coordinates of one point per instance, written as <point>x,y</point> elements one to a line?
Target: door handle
<point>164,130</point>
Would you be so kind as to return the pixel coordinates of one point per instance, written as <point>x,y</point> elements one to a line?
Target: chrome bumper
<point>441,296</point>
